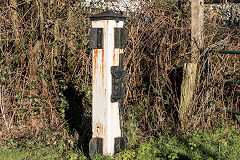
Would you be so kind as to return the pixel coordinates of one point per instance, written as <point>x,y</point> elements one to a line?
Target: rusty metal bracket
<point>118,84</point>
<point>96,146</point>
<point>120,38</point>
<point>96,38</point>
<point>118,81</point>
<point>119,144</point>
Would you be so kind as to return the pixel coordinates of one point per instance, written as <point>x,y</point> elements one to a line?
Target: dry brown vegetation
<point>46,64</point>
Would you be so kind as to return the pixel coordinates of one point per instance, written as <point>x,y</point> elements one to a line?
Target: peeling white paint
<point>105,115</point>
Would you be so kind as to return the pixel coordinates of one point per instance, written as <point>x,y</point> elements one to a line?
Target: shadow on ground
<point>203,150</point>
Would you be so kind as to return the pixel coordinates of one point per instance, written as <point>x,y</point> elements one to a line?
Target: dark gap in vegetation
<point>175,77</point>
<point>76,117</point>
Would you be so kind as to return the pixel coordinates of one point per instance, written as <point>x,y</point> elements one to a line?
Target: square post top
<point>108,15</point>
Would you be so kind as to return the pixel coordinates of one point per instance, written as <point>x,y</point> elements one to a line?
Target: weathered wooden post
<point>107,39</point>
<point>190,69</point>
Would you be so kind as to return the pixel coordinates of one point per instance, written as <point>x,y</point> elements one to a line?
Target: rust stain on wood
<point>98,130</point>
<point>103,64</point>
<point>95,65</point>
<point>118,56</point>
<point>116,53</point>
<point>119,52</point>
<point>114,57</point>
<point>112,108</point>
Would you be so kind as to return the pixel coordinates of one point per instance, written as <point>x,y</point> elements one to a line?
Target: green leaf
<point>2,79</point>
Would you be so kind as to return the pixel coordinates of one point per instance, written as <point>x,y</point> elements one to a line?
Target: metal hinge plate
<point>96,38</point>
<point>118,82</point>
<point>120,38</point>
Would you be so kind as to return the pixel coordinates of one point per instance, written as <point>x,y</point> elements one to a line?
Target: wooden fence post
<point>190,69</point>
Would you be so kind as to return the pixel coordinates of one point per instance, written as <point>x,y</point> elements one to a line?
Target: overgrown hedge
<point>46,70</point>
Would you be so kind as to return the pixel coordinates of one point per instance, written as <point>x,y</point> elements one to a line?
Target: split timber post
<point>107,39</point>
<point>190,69</point>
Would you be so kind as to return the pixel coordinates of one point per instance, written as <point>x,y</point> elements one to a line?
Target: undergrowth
<point>222,143</point>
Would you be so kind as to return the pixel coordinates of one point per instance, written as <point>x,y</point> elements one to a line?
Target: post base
<point>119,144</point>
<point>96,146</point>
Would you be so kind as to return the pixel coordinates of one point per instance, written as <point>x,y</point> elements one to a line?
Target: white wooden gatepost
<point>107,38</point>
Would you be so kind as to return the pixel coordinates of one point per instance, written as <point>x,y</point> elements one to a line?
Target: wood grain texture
<point>190,69</point>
